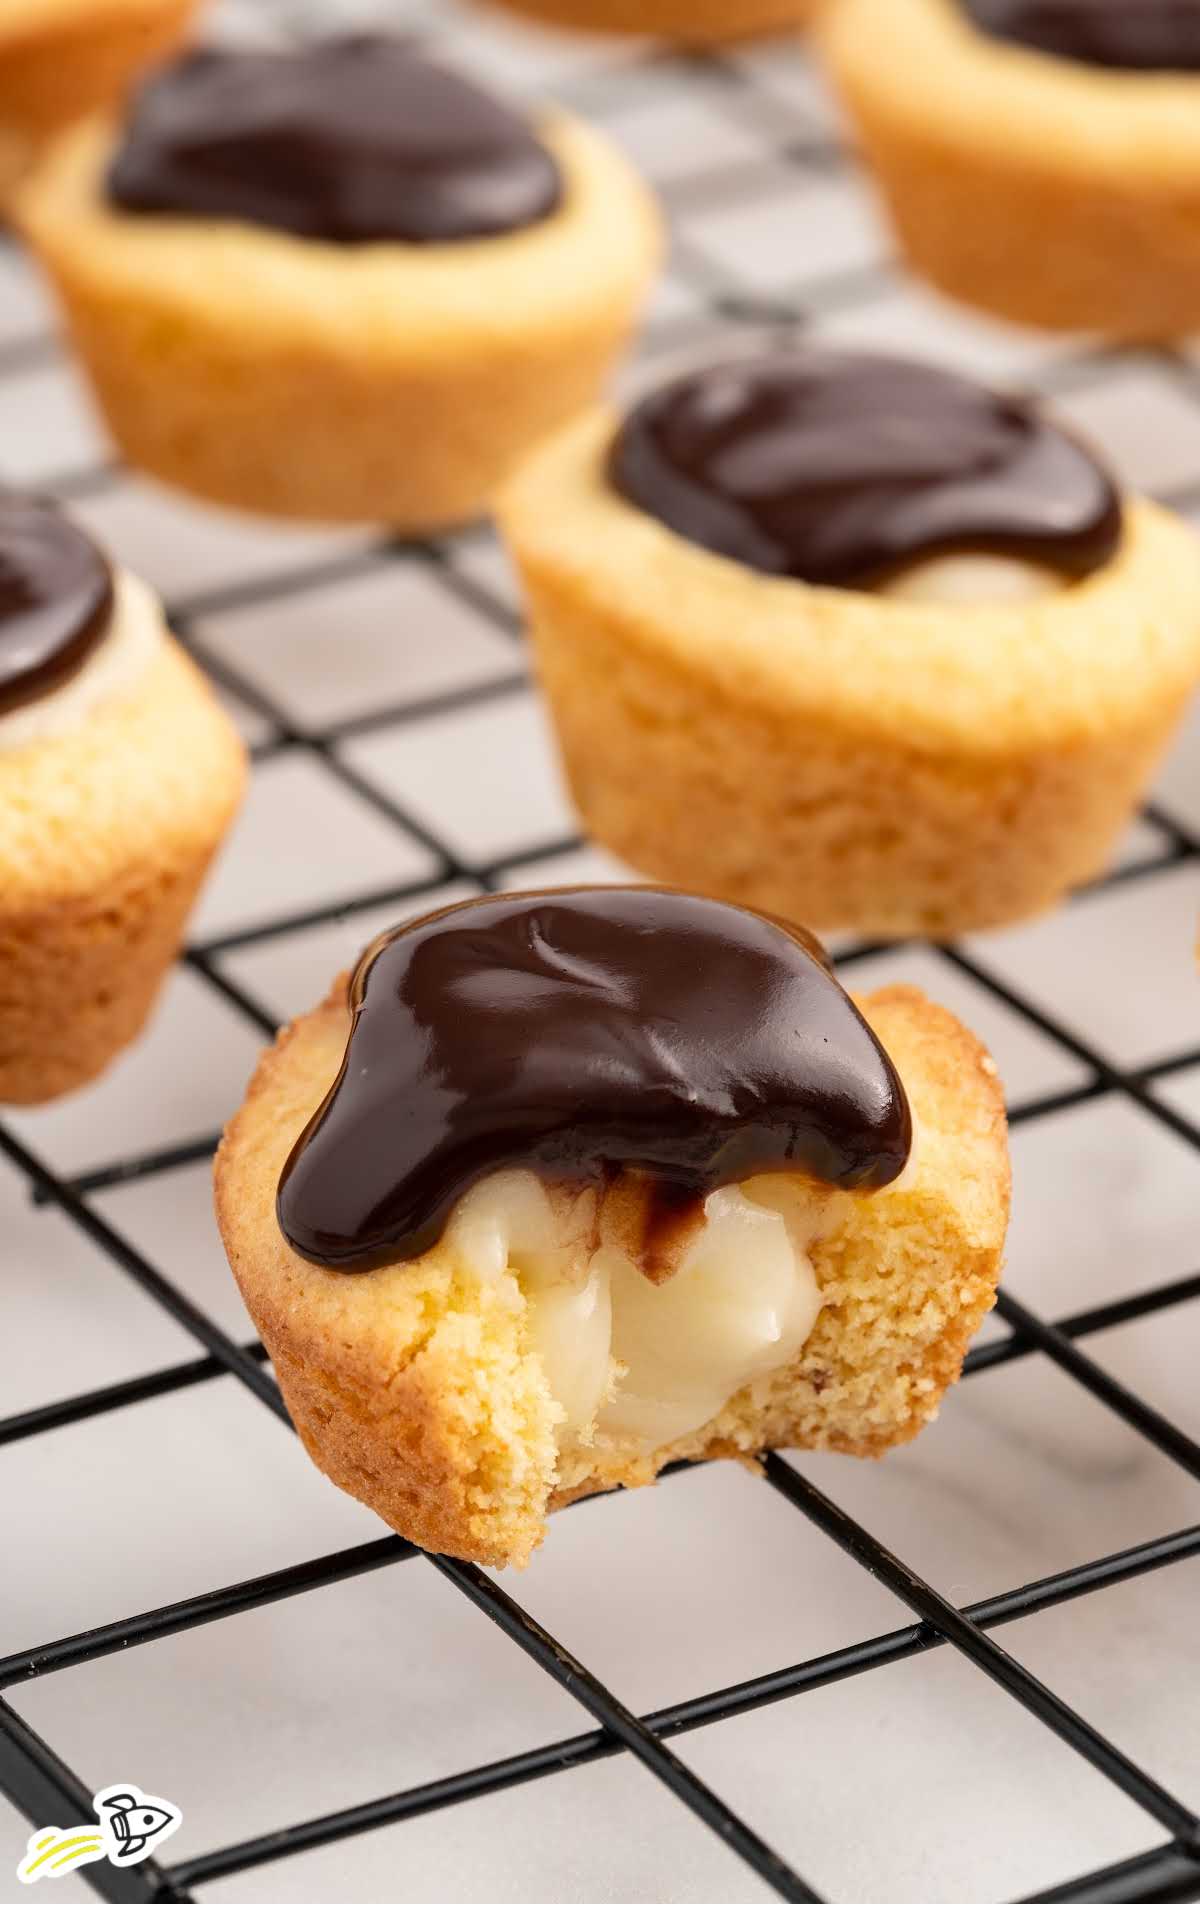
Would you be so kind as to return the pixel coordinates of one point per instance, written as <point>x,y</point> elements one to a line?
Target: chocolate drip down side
<point>578,1033</point>
<point>842,470</point>
<point>351,141</point>
<point>56,600</point>
<point>1133,36</point>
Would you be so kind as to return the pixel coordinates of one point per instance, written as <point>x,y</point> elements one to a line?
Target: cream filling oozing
<point>629,1359</point>
<point>973,579</point>
<point>135,635</point>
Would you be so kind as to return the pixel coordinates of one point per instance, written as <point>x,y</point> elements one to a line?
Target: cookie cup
<point>60,59</point>
<point>380,382</point>
<point>110,814</point>
<point>414,1386</point>
<point>1041,189</point>
<point>836,756</point>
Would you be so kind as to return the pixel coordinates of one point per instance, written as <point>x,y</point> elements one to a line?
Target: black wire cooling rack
<point>794,135</point>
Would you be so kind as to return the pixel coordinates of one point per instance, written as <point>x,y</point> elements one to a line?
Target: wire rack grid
<point>773,233</point>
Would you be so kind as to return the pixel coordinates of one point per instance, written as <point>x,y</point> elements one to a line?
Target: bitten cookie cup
<point>115,792</point>
<point>1038,188</point>
<point>378,382</point>
<point>692,22</point>
<point>60,59</point>
<point>839,756</point>
<point>416,1386</point>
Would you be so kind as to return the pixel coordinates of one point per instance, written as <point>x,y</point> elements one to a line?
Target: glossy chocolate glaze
<point>56,598</point>
<point>574,1033</point>
<point>349,140</point>
<point>1136,36</point>
<point>843,469</point>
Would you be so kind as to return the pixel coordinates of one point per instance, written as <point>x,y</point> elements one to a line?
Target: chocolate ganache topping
<point>56,598</point>
<point>842,469</point>
<point>351,140</point>
<point>1137,36</point>
<point>575,1033</point>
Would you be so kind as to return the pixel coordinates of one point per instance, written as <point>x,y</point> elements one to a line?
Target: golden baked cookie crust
<point>410,1386</point>
<point>1041,189</point>
<point>833,755</point>
<point>378,382</point>
<point>106,833</point>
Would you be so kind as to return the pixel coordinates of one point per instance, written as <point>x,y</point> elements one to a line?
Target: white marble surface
<point>918,1781</point>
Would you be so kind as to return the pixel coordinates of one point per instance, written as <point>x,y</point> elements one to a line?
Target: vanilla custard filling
<point>973,580</point>
<point>135,635</point>
<point>628,1359</point>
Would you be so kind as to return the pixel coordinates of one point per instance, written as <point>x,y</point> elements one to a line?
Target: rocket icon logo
<point>133,1821</point>
<point>133,1824</point>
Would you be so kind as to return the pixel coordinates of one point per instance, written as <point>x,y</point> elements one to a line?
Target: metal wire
<point>32,1775</point>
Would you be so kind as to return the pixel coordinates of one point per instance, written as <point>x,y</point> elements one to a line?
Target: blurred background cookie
<point>1039,160</point>
<point>853,640</point>
<point>119,775</point>
<point>60,59</point>
<point>340,282</point>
